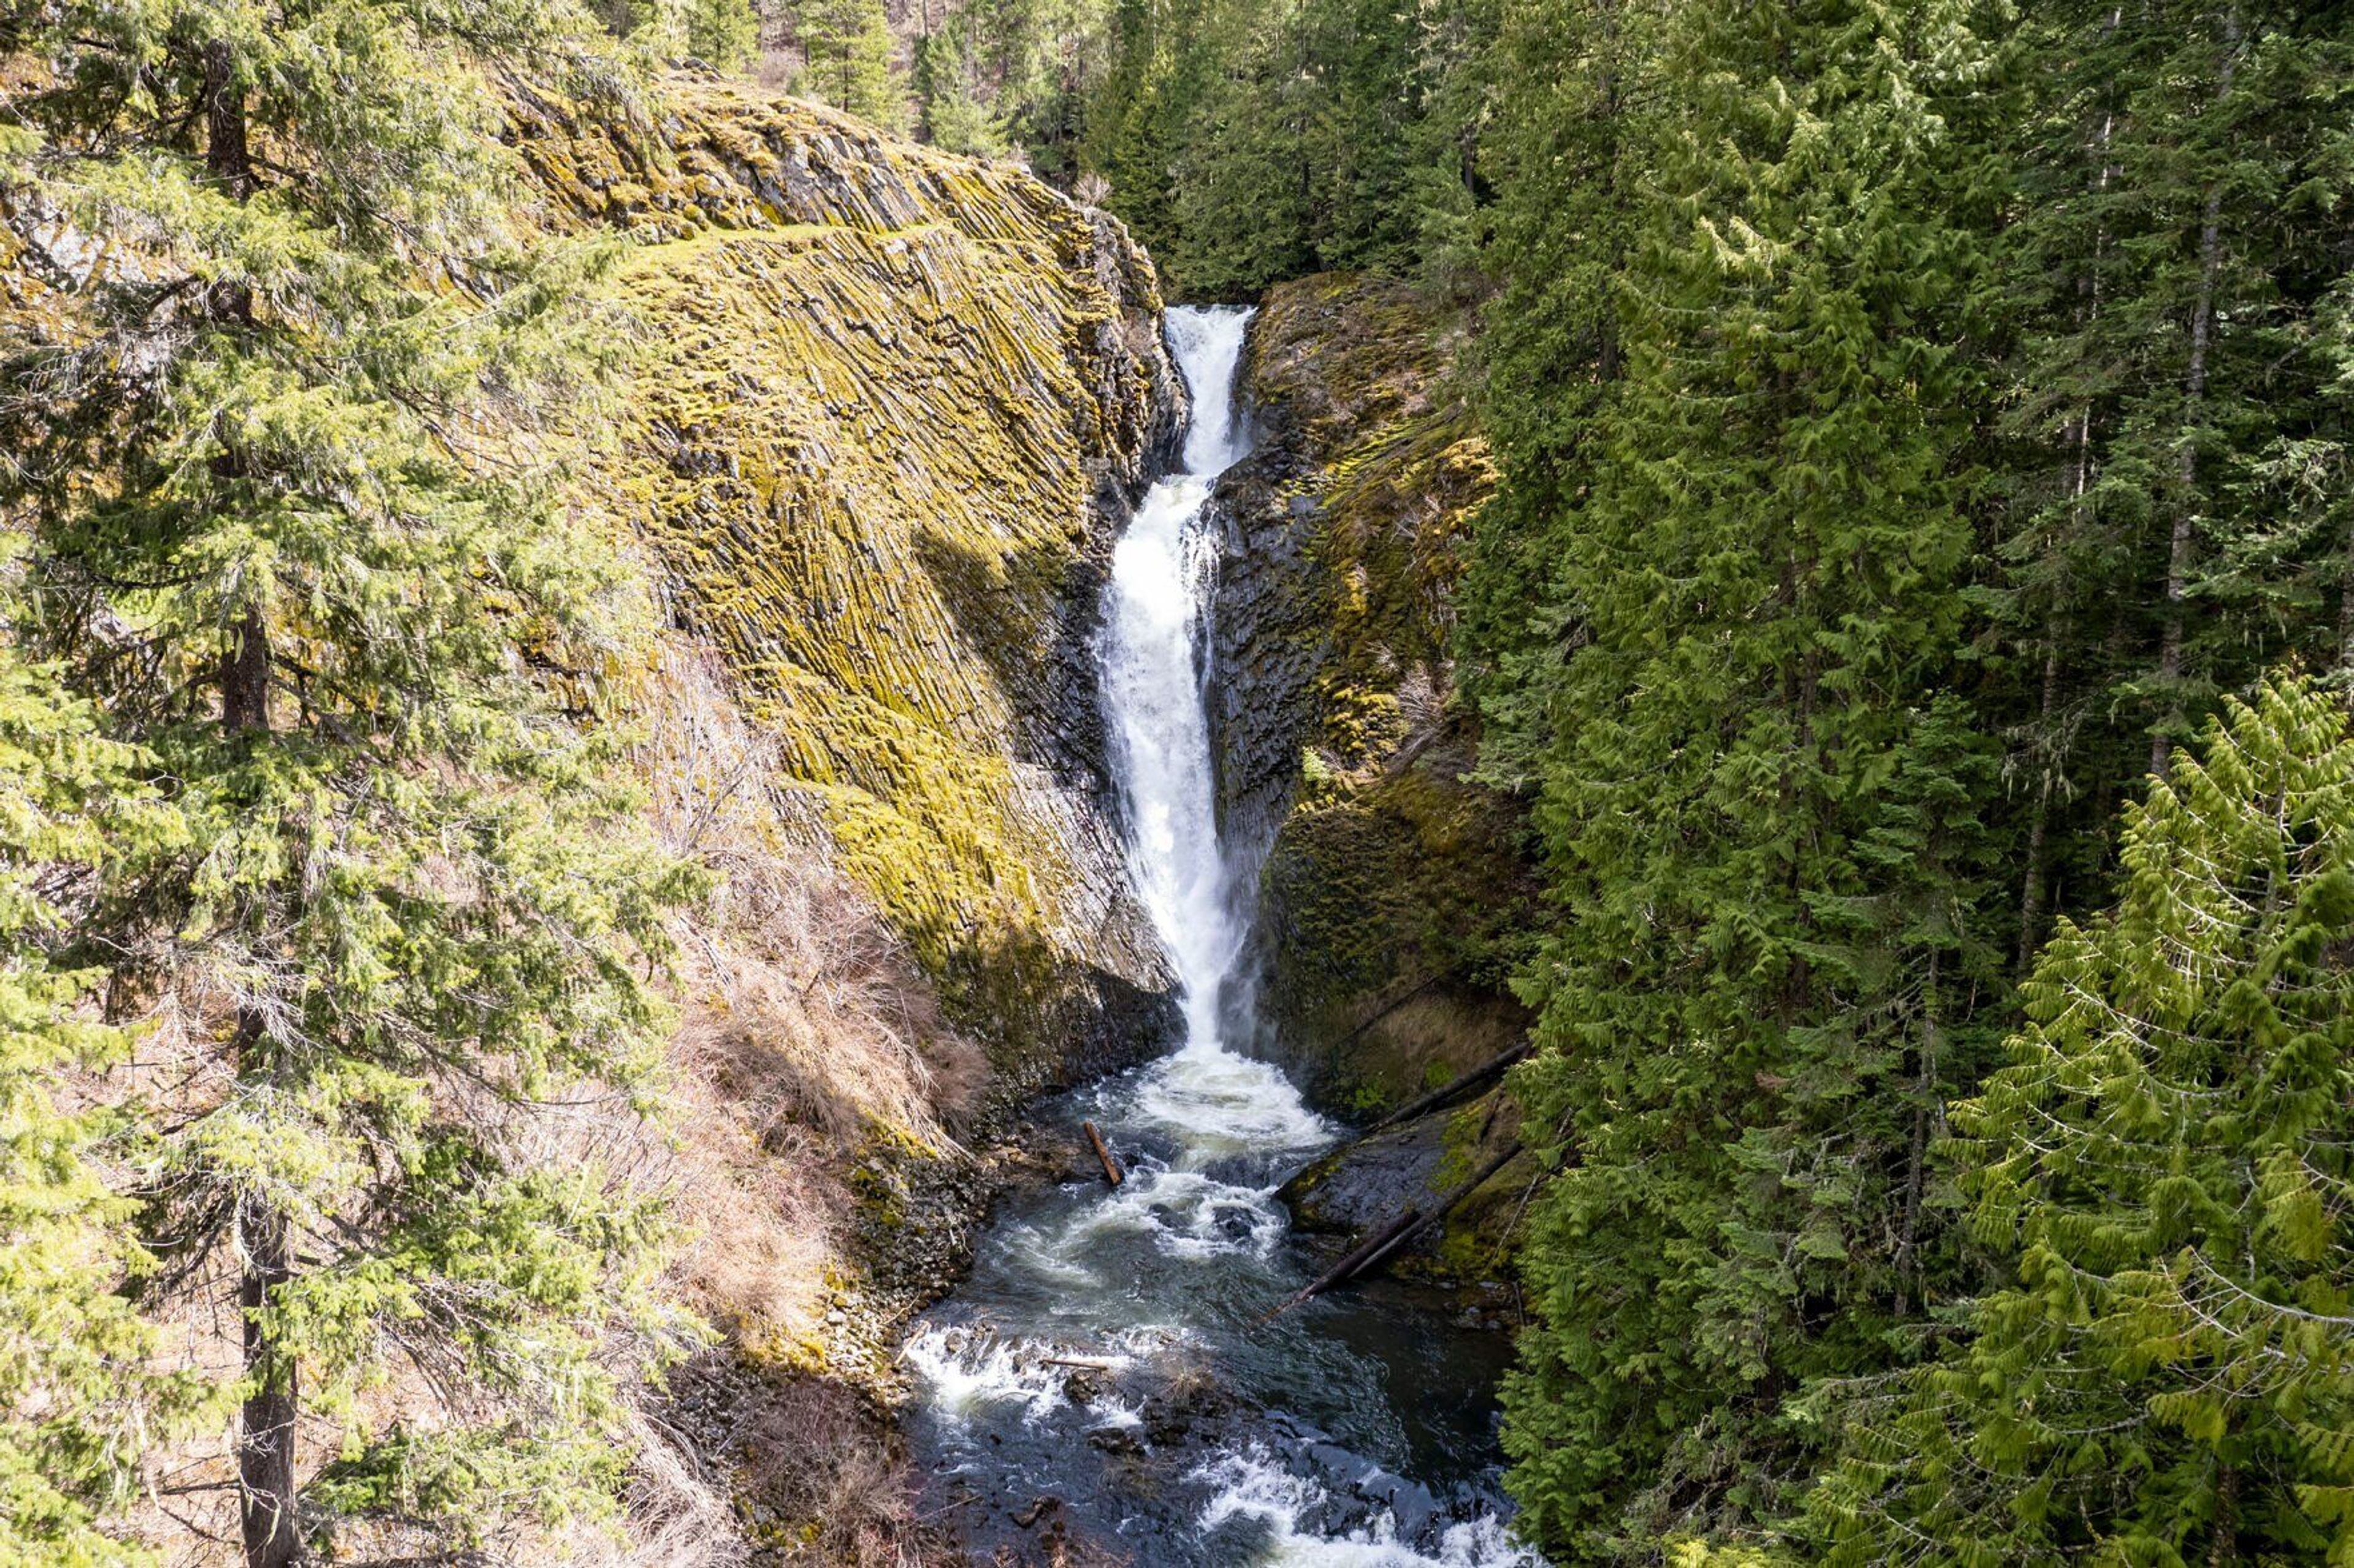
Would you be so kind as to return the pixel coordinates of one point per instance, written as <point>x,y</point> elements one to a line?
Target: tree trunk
<point>2039,828</point>
<point>265,1428</point>
<point>265,1435</point>
<point>2202,331</point>
<point>1917,1164</point>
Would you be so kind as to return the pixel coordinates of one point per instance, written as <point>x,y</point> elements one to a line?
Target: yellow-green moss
<point>1398,893</point>
<point>887,384</point>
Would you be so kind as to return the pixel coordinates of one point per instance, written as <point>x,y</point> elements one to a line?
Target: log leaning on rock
<point>1103,1152</point>
<point>1477,1077</point>
<point>1371,1252</point>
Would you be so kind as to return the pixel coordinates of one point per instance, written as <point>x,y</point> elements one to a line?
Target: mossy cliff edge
<point>899,405</point>
<point>1391,886</point>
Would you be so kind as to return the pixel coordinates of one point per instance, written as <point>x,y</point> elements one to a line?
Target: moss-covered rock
<point>898,404</point>
<point>1393,894</point>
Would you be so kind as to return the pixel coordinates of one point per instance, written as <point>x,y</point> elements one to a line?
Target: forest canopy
<point>1915,616</point>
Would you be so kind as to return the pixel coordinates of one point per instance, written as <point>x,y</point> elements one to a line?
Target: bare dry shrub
<point>815,1455</point>
<point>800,1000</point>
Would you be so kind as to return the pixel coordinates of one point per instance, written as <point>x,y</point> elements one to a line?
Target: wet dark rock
<point>1364,1184</point>
<point>1168,1416</point>
<point>1117,1441</point>
<point>1085,1386</point>
<point>1235,1224</point>
<point>1027,1516</point>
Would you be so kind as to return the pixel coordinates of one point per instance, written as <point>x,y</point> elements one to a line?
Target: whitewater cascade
<point>1341,1434</point>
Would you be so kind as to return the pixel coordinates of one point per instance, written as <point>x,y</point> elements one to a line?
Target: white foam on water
<point>1251,1487</point>
<point>967,1370</point>
<point>1184,1212</point>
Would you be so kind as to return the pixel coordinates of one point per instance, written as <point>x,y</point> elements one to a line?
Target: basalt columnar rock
<point>1388,884</point>
<point>1387,881</point>
<point>898,406</point>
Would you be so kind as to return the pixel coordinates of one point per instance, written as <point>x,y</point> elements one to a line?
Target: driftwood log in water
<point>1376,1249</point>
<point>1477,1077</point>
<point>1103,1152</point>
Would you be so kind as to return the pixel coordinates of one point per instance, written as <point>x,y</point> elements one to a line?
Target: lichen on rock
<point>898,404</point>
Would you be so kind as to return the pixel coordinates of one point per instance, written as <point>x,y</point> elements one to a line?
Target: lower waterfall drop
<point>1354,1433</point>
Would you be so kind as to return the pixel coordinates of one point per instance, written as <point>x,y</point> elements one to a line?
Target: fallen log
<point>1476,1078</point>
<point>1081,1362</point>
<point>1376,1249</point>
<point>1349,1264</point>
<point>1103,1152</point>
<point>1455,1195</point>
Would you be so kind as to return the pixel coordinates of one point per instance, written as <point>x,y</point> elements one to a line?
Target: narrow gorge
<point>1176,784</point>
<point>1117,1377</point>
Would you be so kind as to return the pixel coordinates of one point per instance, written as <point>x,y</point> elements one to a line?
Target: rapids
<point>1357,1431</point>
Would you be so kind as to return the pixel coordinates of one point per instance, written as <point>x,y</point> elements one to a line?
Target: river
<point>1107,1386</point>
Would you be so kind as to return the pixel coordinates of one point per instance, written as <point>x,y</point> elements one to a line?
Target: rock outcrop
<point>1391,886</point>
<point>897,406</point>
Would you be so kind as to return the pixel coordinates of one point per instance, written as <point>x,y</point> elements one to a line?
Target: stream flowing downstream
<point>1356,1431</point>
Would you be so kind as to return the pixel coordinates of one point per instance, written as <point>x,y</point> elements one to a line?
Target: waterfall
<point>1154,671</point>
<point>1170,1274</point>
<point>1153,682</point>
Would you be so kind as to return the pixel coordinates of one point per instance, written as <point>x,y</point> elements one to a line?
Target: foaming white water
<point>1212,1101</point>
<point>1185,1214</point>
<point>967,1370</point>
<point>1249,1486</point>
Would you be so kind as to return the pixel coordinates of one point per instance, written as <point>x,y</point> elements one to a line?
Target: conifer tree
<point>1755,772</point>
<point>957,111</point>
<point>79,1400</point>
<point>850,53</point>
<point>296,505</point>
<point>2182,216</point>
<point>722,33</point>
<point>2166,1166</point>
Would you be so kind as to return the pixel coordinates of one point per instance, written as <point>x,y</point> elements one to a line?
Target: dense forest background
<point>1917,615</point>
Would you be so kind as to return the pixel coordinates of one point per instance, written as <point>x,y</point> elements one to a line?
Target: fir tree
<point>80,1401</point>
<point>722,33</point>
<point>297,528</point>
<point>1754,774</point>
<point>2182,215</point>
<point>957,113</point>
<point>2165,1166</point>
<point>849,52</point>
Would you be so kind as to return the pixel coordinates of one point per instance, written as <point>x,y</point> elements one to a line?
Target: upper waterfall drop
<point>1152,680</point>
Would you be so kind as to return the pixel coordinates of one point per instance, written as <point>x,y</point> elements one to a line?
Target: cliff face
<point>895,411</point>
<point>1391,886</point>
<point>899,404</point>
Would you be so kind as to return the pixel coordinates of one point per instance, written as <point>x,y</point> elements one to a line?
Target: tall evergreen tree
<point>1755,773</point>
<point>2183,213</point>
<point>2167,1167</point>
<point>850,57</point>
<point>288,479</point>
<point>81,1402</point>
<point>956,106</point>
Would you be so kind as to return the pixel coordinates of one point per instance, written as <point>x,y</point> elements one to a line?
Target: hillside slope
<point>899,404</point>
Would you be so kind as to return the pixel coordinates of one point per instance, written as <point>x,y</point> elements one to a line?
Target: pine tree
<point>722,33</point>
<point>80,1401</point>
<point>849,52</point>
<point>2166,1166</point>
<point>1754,768</point>
<point>956,111</point>
<point>291,482</point>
